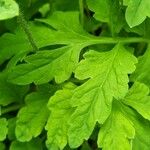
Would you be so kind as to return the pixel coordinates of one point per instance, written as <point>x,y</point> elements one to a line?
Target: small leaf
<point>137,11</point>
<point>108,11</point>
<point>8,9</point>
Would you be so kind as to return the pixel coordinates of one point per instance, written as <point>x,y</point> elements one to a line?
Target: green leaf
<point>16,43</point>
<point>3,128</point>
<point>138,98</point>
<point>142,129</point>
<point>10,93</point>
<point>32,145</point>
<point>61,111</point>
<point>32,118</point>
<point>8,9</point>
<point>108,73</point>
<point>137,11</point>
<point>59,63</point>
<point>108,11</point>
<point>142,71</point>
<point>2,146</point>
<point>44,65</point>
<point>117,132</point>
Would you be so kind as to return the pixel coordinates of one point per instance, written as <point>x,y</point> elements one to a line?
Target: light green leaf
<point>59,63</point>
<point>61,111</point>
<point>32,145</point>
<point>138,98</point>
<point>142,72</point>
<point>108,73</point>
<point>32,118</point>
<point>117,132</point>
<point>8,9</point>
<point>3,128</point>
<point>137,11</point>
<point>142,129</point>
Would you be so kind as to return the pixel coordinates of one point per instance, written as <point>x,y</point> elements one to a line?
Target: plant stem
<point>107,40</point>
<point>25,27</point>
<point>9,109</point>
<point>81,8</point>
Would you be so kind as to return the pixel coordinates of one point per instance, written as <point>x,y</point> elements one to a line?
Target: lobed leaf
<point>32,118</point>
<point>108,77</point>
<point>58,122</point>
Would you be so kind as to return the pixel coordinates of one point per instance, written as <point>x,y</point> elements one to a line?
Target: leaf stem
<point>22,21</point>
<point>107,40</point>
<point>81,8</point>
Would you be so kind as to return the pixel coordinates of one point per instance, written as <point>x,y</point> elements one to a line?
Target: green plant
<point>75,74</point>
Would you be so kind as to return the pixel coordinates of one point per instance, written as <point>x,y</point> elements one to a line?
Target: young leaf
<point>108,73</point>
<point>137,11</point>
<point>138,98</point>
<point>8,9</point>
<point>117,132</point>
<point>3,128</point>
<point>61,111</point>
<point>32,118</point>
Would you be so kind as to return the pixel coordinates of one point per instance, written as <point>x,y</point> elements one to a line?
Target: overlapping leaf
<point>58,123</point>
<point>142,71</point>
<point>124,126</point>
<point>58,63</point>
<point>142,129</point>
<point>108,11</point>
<point>32,118</point>
<point>138,98</point>
<point>117,132</point>
<point>108,73</point>
<point>137,11</point>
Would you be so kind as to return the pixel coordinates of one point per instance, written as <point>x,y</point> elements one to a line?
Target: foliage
<point>74,75</point>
